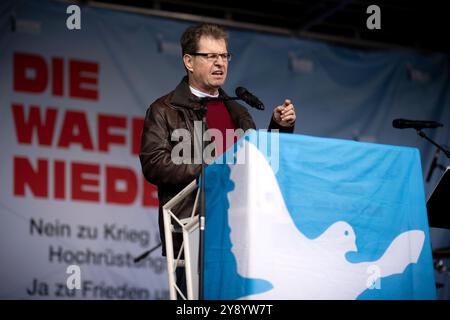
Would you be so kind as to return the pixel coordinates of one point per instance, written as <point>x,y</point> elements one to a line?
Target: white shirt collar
<point>201,94</point>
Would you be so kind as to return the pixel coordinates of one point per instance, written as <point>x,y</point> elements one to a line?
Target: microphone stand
<point>434,163</point>
<point>201,251</point>
<point>423,135</point>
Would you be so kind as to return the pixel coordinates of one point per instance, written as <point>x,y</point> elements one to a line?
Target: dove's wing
<point>404,250</point>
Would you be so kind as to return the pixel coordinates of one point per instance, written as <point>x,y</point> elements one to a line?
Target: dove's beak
<point>354,248</point>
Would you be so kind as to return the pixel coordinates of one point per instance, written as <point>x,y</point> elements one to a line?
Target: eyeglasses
<point>213,56</point>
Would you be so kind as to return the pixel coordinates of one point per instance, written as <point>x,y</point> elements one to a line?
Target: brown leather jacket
<point>179,109</point>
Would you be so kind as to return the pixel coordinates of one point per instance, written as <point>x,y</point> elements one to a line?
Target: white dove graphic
<point>265,240</point>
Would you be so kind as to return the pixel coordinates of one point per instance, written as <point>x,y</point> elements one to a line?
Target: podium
<point>438,206</point>
<point>296,217</point>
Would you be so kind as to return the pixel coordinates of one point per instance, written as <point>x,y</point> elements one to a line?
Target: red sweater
<point>219,118</point>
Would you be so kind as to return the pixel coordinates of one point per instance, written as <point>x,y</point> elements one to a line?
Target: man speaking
<point>206,59</point>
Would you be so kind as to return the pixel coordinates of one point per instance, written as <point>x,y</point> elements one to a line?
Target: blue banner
<point>323,219</point>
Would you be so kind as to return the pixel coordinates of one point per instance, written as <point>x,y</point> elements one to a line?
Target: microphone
<point>416,124</point>
<point>146,253</point>
<point>249,98</point>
